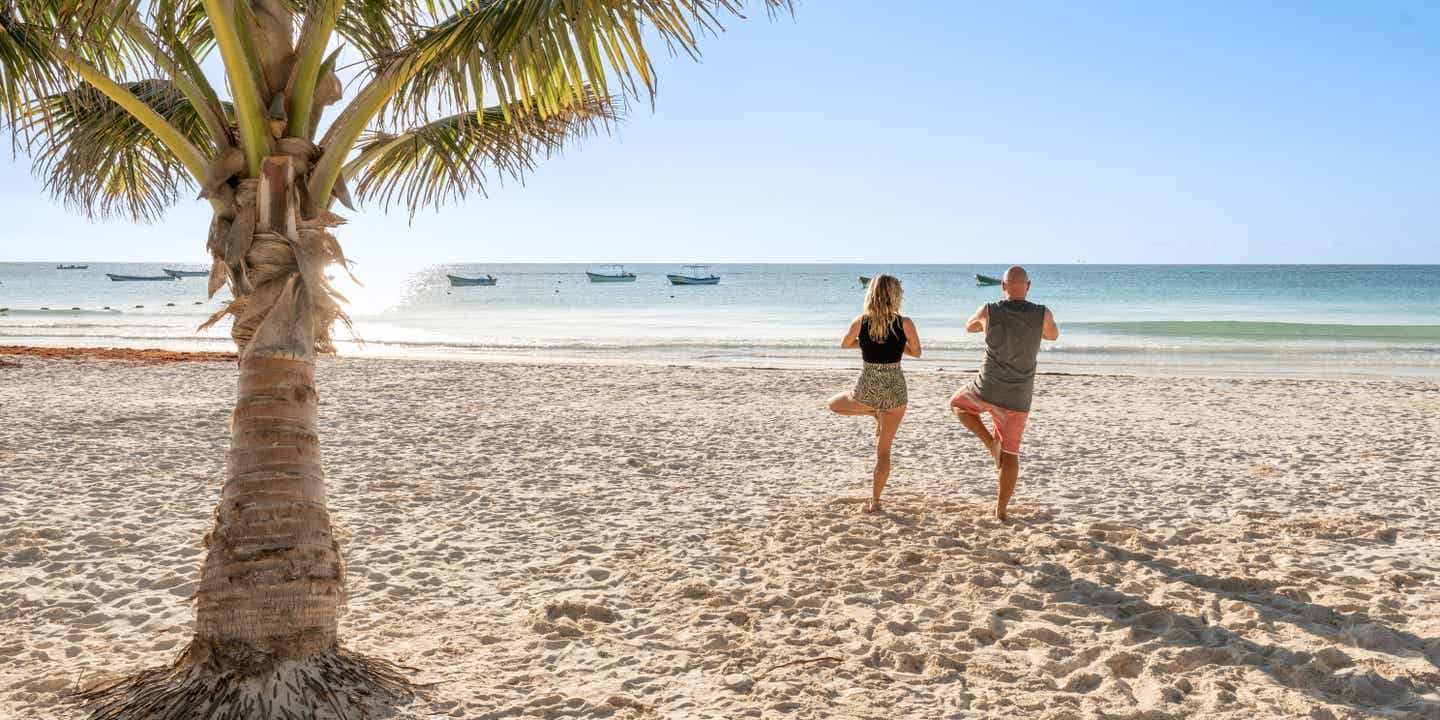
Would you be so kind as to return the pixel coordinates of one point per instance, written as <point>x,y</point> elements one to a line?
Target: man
<point>1013,329</point>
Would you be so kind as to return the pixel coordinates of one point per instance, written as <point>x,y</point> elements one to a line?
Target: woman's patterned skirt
<point>881,386</point>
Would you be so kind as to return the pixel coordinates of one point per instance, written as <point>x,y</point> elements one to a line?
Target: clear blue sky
<point>950,131</point>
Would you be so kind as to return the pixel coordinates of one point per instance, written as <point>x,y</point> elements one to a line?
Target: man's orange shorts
<point>1009,424</point>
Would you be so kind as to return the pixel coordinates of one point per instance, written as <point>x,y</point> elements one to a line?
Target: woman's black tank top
<point>882,352</point>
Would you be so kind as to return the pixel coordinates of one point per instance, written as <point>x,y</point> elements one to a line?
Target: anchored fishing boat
<point>138,278</point>
<point>694,275</point>
<point>457,281</point>
<point>616,273</point>
<point>186,273</point>
<point>72,267</point>
<point>986,280</point>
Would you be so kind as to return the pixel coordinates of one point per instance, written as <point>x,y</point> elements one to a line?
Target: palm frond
<point>26,67</point>
<point>377,28</point>
<point>189,23</point>
<point>98,159</point>
<point>91,30</point>
<point>246,77</point>
<point>441,161</point>
<point>532,56</point>
<point>309,58</point>
<point>538,52</point>
<point>173,60</point>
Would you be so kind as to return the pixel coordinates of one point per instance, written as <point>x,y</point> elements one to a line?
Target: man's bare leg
<point>1009,474</point>
<point>974,424</point>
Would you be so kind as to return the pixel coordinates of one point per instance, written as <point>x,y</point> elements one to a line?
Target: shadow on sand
<point>1329,675</point>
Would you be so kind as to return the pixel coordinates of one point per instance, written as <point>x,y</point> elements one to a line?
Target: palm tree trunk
<point>272,583</point>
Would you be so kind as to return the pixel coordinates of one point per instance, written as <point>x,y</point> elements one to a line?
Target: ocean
<point>1312,321</point>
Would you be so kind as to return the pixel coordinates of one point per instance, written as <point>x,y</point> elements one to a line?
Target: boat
<point>986,280</point>
<point>138,278</point>
<point>694,275</point>
<point>617,273</point>
<point>72,267</point>
<point>186,273</point>
<point>864,280</point>
<point>457,281</point>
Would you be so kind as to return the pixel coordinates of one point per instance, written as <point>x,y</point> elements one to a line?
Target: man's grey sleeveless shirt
<point>1012,340</point>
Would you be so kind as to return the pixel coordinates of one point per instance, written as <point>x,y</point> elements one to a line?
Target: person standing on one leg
<point>883,336</point>
<point>1013,330</point>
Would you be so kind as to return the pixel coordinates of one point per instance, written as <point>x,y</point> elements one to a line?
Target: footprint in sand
<point>1125,664</point>
<point>570,617</point>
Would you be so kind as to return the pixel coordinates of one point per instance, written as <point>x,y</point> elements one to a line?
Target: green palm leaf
<point>508,65</point>
<point>98,159</point>
<point>26,66</point>
<point>442,161</point>
<point>538,52</point>
<point>375,27</point>
<point>532,56</point>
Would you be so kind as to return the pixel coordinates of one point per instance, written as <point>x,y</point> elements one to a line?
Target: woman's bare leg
<point>843,404</point>
<point>888,422</point>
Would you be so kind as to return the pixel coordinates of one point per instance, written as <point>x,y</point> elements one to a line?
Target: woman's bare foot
<point>873,506</point>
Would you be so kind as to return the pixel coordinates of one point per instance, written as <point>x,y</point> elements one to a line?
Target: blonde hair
<point>882,305</point>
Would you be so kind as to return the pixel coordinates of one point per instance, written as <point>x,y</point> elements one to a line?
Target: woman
<point>883,335</point>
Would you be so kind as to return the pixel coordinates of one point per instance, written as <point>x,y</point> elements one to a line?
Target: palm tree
<point>110,100</point>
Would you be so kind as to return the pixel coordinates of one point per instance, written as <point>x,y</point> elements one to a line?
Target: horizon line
<point>360,263</point>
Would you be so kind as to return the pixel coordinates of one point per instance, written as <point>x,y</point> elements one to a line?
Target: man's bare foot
<point>1002,517</point>
<point>873,506</point>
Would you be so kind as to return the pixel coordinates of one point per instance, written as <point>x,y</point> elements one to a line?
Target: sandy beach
<point>547,541</point>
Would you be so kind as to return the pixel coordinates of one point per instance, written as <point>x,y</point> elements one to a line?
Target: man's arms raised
<point>981,318</point>
<point>977,322</point>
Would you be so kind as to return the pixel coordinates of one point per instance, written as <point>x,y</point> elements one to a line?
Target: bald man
<point>1013,330</point>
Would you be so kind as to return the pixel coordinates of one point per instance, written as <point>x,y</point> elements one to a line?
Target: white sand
<point>569,541</point>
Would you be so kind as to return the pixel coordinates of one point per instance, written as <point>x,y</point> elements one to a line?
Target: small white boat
<point>138,278</point>
<point>457,281</point>
<point>186,273</point>
<point>694,275</point>
<point>617,273</point>
<point>72,267</point>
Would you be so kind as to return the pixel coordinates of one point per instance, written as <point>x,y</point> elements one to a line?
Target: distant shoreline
<point>1232,321</point>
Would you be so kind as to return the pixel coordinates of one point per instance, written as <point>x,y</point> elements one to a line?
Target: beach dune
<point>641,541</point>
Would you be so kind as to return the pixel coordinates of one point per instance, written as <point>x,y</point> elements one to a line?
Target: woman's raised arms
<point>852,336</point>
<point>912,339</point>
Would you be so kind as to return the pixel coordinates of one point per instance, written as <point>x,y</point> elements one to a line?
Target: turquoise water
<point>1294,320</point>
